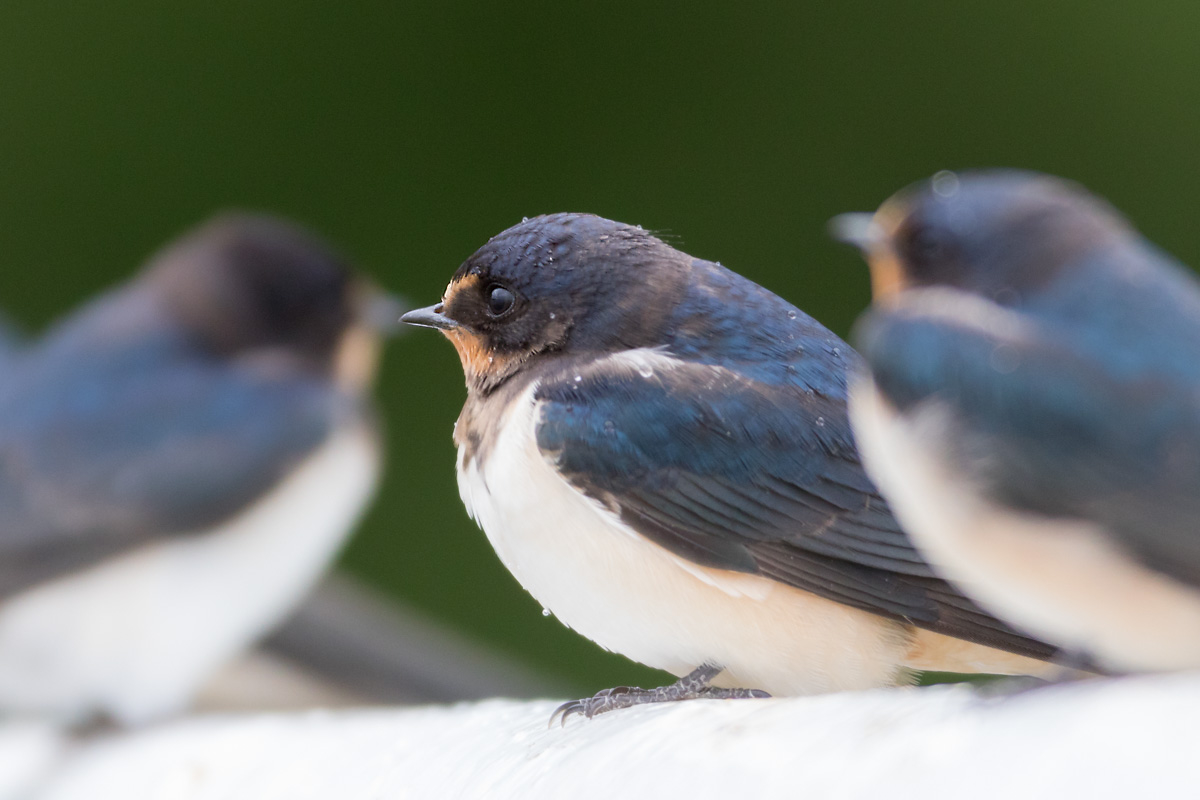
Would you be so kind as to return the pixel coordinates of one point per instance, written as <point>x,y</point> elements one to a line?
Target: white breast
<point>1062,580</point>
<point>135,636</point>
<point>634,597</point>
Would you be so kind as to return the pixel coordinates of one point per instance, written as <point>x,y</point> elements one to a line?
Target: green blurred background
<point>410,133</point>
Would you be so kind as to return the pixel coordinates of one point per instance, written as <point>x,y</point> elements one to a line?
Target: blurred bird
<point>1031,409</point>
<point>658,450</point>
<point>179,461</point>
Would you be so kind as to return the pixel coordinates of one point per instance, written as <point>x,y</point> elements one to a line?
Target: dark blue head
<point>245,283</point>
<point>553,281</point>
<point>1001,234</point>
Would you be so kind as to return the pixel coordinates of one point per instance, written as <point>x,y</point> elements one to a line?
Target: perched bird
<point>658,450</point>
<point>179,461</point>
<point>1031,409</point>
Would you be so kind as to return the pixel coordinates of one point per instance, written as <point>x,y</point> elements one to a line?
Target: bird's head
<point>1000,234</point>
<point>249,285</point>
<point>562,283</point>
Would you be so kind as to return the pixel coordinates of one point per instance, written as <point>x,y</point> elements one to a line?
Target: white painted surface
<point>1130,738</point>
<point>30,751</point>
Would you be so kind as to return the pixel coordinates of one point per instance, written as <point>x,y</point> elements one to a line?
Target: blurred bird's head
<point>562,283</point>
<point>249,285</point>
<point>1000,234</point>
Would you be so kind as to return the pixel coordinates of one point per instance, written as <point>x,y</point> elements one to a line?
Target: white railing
<point>1136,738</point>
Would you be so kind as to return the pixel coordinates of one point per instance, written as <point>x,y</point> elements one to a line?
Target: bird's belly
<point>1061,580</point>
<point>134,636</point>
<point>633,597</point>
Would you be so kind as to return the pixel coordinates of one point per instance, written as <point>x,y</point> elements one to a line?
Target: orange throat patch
<point>481,365</point>
<point>887,273</point>
<point>887,276</point>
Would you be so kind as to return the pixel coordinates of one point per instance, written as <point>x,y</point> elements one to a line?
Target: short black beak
<point>857,228</point>
<point>430,317</point>
<point>381,313</point>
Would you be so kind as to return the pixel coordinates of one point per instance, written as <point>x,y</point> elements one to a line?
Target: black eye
<point>925,245</point>
<point>500,300</point>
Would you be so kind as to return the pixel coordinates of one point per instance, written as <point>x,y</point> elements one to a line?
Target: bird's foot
<point>693,686</point>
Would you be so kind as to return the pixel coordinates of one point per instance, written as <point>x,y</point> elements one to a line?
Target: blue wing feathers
<point>752,476</point>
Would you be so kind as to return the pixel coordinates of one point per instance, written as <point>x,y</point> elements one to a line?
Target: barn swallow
<point>179,461</point>
<point>1031,409</point>
<point>658,450</point>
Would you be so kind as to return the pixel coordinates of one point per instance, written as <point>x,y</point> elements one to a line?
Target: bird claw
<point>690,687</point>
<point>604,700</point>
<point>563,712</point>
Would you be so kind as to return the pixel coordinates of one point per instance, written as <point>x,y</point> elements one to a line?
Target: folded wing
<point>753,476</point>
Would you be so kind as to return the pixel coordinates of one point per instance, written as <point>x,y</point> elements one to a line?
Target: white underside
<point>633,597</point>
<point>1063,581</point>
<point>135,636</point>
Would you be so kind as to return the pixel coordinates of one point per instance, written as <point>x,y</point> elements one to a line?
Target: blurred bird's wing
<point>107,456</point>
<point>1051,425</point>
<point>739,474</point>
